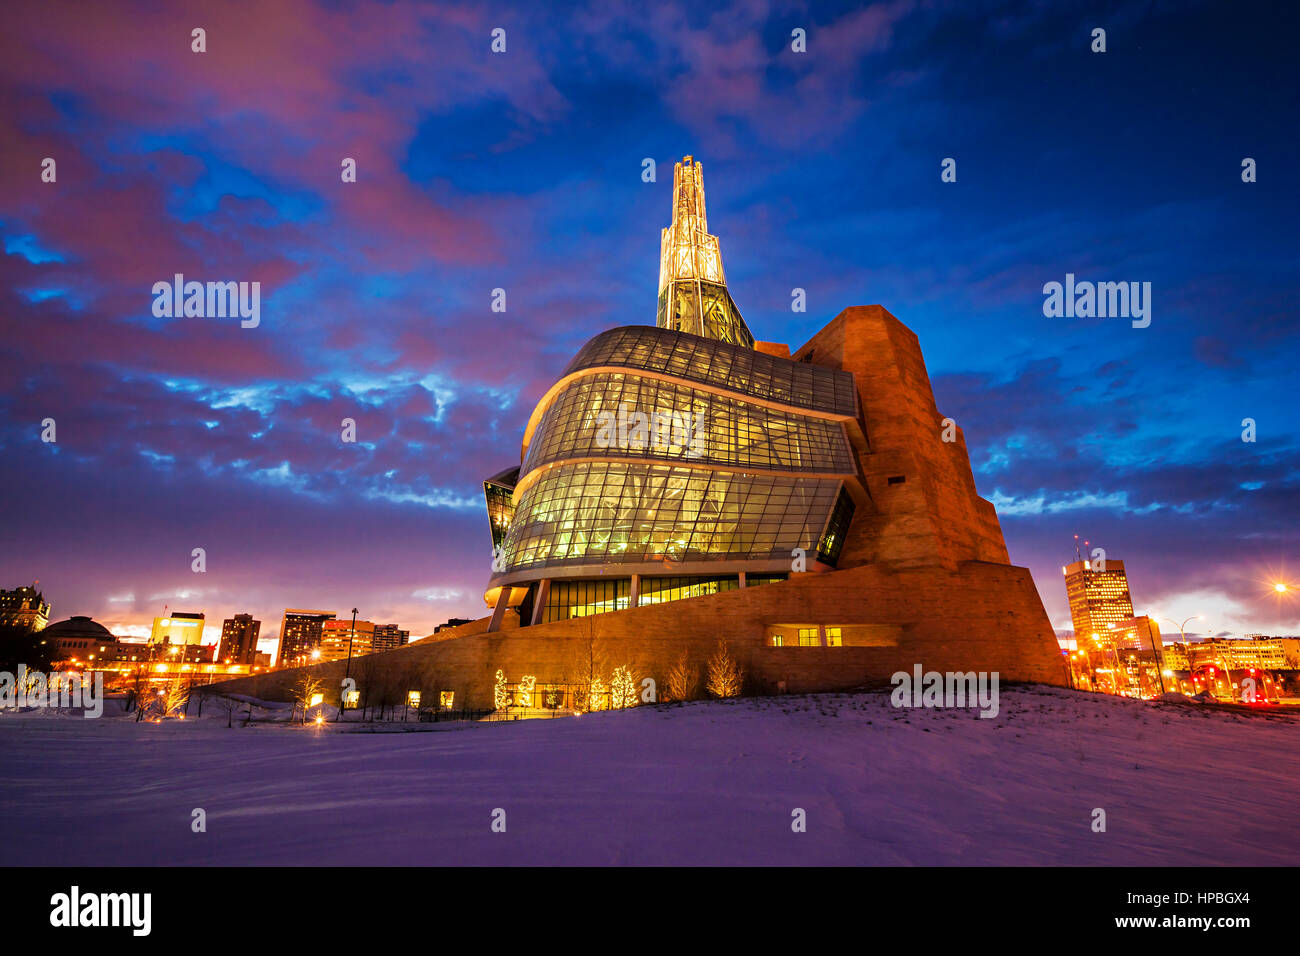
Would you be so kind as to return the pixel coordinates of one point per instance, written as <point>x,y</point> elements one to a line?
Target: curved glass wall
<point>723,365</point>
<point>613,415</point>
<point>631,512</point>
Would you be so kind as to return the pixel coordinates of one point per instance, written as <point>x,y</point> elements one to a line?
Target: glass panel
<point>732,366</point>
<point>612,415</point>
<point>633,512</point>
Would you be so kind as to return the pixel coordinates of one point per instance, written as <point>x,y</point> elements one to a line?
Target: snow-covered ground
<point>706,783</point>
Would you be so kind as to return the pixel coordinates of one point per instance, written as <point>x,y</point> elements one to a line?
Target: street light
<point>347,672</point>
<point>351,634</point>
<point>1186,650</point>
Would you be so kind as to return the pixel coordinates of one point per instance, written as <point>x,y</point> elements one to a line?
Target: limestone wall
<point>981,616</point>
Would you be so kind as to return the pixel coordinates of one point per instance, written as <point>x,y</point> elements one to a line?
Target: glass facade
<point>837,529</point>
<point>702,308</point>
<point>628,512</point>
<point>692,358</point>
<point>681,422</point>
<point>499,493</point>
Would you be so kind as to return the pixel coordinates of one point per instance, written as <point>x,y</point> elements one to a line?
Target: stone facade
<point>980,616</point>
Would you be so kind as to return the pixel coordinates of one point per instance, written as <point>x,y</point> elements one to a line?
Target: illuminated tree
<point>725,674</point>
<point>524,696</point>
<point>500,696</point>
<point>683,679</point>
<point>175,696</point>
<point>623,688</point>
<point>595,695</point>
<point>303,691</point>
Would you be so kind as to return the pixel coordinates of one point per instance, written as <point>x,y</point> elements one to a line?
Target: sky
<point>522,171</point>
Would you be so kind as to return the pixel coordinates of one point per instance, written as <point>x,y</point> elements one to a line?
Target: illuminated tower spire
<point>693,294</point>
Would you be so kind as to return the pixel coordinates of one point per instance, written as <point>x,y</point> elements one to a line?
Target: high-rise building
<point>300,634</point>
<point>389,636</point>
<point>1259,652</point>
<point>24,606</point>
<point>338,639</point>
<point>179,628</point>
<point>1139,633</point>
<point>239,639</point>
<point>1098,599</point>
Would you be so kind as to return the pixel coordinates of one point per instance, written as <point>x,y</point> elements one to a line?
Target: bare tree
<point>225,705</point>
<point>140,692</point>
<point>683,679</point>
<point>389,689</point>
<point>587,665</point>
<point>725,675</point>
<point>175,696</point>
<point>366,669</point>
<point>306,687</point>
<point>429,680</point>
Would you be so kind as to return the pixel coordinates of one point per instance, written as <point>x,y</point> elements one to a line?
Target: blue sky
<point>523,171</point>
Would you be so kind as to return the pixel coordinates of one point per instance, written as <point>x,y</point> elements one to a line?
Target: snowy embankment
<point>702,783</point>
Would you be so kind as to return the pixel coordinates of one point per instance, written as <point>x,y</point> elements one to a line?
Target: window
<point>659,590</point>
<point>834,637</point>
<point>447,699</point>
<point>778,640</point>
<point>837,529</point>
<point>808,637</point>
<point>568,599</point>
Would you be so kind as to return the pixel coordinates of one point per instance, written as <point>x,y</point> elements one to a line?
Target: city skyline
<point>376,296</point>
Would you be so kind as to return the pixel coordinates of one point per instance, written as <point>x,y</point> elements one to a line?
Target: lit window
<point>778,640</point>
<point>447,699</point>
<point>833,637</point>
<point>808,637</point>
